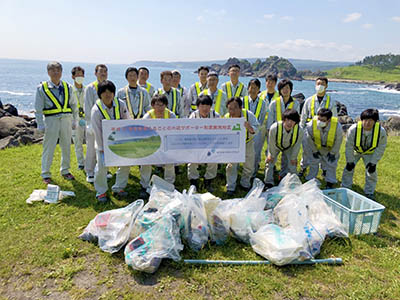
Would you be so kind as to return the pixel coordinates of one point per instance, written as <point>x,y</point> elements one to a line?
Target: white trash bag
<point>162,240</point>
<point>111,229</point>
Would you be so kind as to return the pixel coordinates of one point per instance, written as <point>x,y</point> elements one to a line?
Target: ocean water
<point>19,79</point>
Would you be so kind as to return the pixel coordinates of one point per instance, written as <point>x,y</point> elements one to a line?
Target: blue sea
<point>19,79</point>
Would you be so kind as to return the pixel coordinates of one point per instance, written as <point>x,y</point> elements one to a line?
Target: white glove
<point>89,129</point>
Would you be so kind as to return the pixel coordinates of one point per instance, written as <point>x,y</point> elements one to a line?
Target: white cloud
<point>216,13</point>
<point>286,18</point>
<point>302,44</point>
<point>268,16</point>
<point>396,19</point>
<point>367,26</point>
<point>352,17</point>
<point>200,19</point>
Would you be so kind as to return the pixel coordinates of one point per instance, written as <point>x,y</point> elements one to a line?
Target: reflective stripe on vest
<point>198,91</point>
<point>244,113</point>
<point>279,109</point>
<point>259,105</point>
<point>128,102</point>
<point>80,109</point>
<point>328,101</point>
<point>279,136</point>
<point>105,113</point>
<point>217,106</point>
<point>160,91</point>
<point>96,85</point>
<point>148,87</point>
<point>167,113</point>
<point>229,89</point>
<point>331,133</point>
<point>263,96</point>
<point>375,139</point>
<point>56,109</point>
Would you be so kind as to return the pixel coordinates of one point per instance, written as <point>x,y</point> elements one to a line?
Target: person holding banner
<point>366,139</point>
<point>259,108</point>
<point>322,139</point>
<point>101,73</point>
<point>235,110</point>
<point>217,95</point>
<point>204,110</point>
<point>234,88</point>
<point>159,110</point>
<point>173,95</point>
<point>107,107</point>
<point>136,98</point>
<point>284,136</point>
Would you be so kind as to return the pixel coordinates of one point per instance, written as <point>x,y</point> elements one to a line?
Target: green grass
<point>368,73</point>
<point>137,149</point>
<point>41,256</point>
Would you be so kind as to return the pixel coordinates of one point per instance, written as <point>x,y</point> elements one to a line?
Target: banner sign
<point>173,141</point>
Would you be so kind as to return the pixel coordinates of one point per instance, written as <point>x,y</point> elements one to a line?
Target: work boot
<point>69,176</point>
<point>121,194</point>
<point>194,182</point>
<point>208,186</point>
<point>102,198</point>
<point>230,193</point>
<point>268,186</point>
<point>370,196</point>
<point>330,185</point>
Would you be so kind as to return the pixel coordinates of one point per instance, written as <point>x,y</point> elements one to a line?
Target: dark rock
<point>345,120</point>
<point>9,141</point>
<point>25,139</point>
<point>11,109</point>
<point>393,123</point>
<point>341,109</point>
<point>393,86</point>
<point>345,127</point>
<point>10,125</point>
<point>1,104</point>
<point>299,97</point>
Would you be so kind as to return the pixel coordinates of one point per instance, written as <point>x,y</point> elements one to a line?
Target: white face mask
<point>320,88</point>
<point>321,124</point>
<point>79,80</point>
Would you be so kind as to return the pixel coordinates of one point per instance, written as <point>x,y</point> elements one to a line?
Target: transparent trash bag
<point>162,240</point>
<point>196,231</point>
<point>111,229</point>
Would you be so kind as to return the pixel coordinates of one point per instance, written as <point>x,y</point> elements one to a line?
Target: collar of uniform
<point>106,107</point>
<point>52,85</point>
<point>203,87</point>
<point>235,86</point>
<point>251,99</point>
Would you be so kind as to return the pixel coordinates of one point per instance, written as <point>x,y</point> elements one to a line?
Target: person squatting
<point>274,121</point>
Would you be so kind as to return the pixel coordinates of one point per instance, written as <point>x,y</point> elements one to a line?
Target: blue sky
<point>127,31</point>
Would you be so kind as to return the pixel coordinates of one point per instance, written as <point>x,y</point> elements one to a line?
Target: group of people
<point>273,116</point>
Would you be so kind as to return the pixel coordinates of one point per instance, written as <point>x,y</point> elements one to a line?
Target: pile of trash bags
<point>283,224</point>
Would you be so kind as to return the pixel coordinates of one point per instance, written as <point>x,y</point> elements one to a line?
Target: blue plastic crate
<point>357,213</point>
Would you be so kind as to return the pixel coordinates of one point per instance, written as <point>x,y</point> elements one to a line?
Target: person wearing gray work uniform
<point>137,99</point>
<point>56,102</point>
<point>259,108</point>
<point>173,95</point>
<point>107,107</point>
<point>176,83</point>
<point>366,139</point>
<point>204,110</point>
<point>142,82</point>
<point>234,106</point>
<point>78,135</point>
<point>197,87</point>
<point>217,95</point>
<point>234,88</point>
<point>322,140</point>
<point>101,73</point>
<point>310,108</point>
<point>284,136</point>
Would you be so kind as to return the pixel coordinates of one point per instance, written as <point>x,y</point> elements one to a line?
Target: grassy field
<point>368,73</point>
<point>42,258</point>
<point>137,149</point>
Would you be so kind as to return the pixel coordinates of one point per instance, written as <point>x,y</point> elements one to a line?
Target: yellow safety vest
<point>279,136</point>
<point>331,133</point>
<point>258,108</point>
<point>96,85</point>
<point>244,112</point>
<point>263,96</point>
<point>217,106</point>
<point>105,113</point>
<point>279,109</point>
<point>56,108</point>
<point>375,139</point>
<point>128,102</point>
<point>328,101</point>
<point>148,87</point>
<point>80,109</point>
<point>167,114</point>
<point>160,91</point>
<point>198,91</point>
<point>229,89</point>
